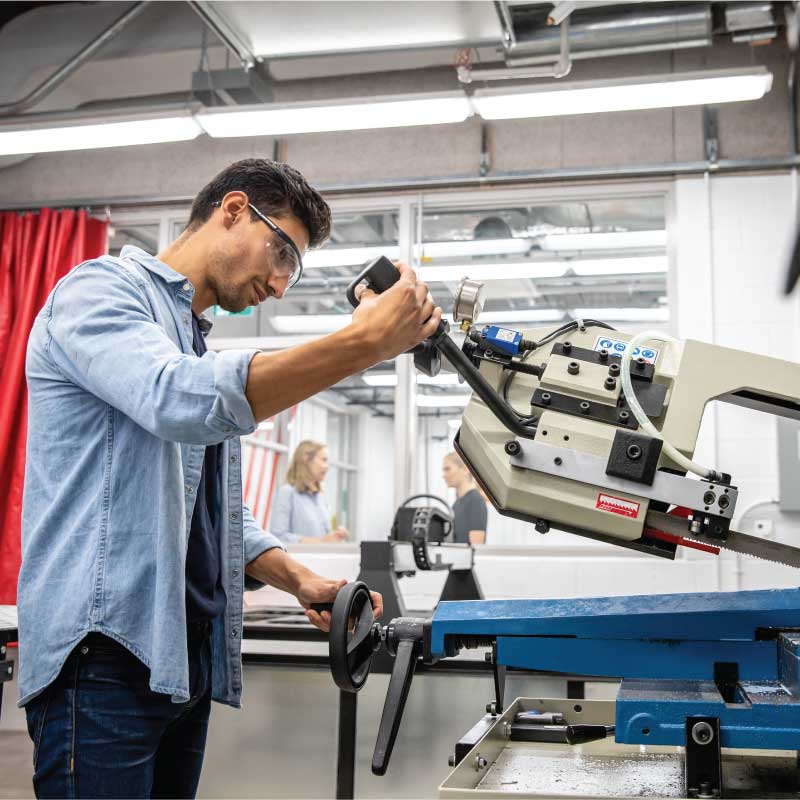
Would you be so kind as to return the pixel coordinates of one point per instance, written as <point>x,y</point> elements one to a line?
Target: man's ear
<point>233,205</point>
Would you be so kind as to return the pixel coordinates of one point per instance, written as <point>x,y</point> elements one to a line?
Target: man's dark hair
<point>275,189</point>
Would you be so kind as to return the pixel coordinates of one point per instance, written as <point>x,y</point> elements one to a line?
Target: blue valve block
<point>503,339</point>
<point>669,651</point>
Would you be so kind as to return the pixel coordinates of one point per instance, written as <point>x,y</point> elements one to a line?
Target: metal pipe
<point>225,33</point>
<point>65,70</point>
<point>517,67</point>
<point>579,174</point>
<point>601,33</point>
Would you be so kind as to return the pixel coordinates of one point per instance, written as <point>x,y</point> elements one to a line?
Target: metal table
<point>287,624</point>
<point>8,634</point>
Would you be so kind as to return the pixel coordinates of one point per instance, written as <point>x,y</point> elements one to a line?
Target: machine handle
<point>399,685</point>
<point>379,275</point>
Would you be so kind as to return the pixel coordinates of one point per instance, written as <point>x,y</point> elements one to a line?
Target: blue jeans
<point>99,731</point>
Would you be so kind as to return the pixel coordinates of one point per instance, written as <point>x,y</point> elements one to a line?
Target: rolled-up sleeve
<point>103,336</point>
<point>256,542</point>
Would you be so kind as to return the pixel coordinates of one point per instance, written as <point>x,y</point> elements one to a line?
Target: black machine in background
<point>419,541</point>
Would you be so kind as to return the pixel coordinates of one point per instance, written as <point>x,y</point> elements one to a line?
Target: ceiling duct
<point>609,30</point>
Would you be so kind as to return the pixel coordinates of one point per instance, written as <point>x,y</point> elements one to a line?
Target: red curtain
<point>36,250</point>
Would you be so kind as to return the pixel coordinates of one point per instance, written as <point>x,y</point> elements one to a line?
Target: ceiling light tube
<point>624,314</point>
<point>653,91</point>
<point>442,400</point>
<point>614,240</point>
<point>348,256</point>
<point>389,379</point>
<point>336,115</point>
<point>501,271</point>
<point>310,323</point>
<point>50,134</point>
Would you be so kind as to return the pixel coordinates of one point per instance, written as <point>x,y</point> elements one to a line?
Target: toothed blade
<point>734,541</point>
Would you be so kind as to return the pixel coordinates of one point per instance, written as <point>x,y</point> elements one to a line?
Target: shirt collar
<point>151,263</point>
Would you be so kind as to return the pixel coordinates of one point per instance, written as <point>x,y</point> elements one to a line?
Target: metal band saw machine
<point>593,431</point>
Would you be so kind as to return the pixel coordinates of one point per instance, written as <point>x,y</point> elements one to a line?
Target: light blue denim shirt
<point>120,411</point>
<point>297,514</point>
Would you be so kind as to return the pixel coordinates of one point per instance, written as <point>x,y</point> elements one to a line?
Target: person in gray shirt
<point>301,513</point>
<point>469,509</point>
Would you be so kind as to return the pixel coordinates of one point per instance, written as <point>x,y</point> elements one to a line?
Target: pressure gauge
<point>468,302</point>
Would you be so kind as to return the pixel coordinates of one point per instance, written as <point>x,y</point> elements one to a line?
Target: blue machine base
<point>668,650</point>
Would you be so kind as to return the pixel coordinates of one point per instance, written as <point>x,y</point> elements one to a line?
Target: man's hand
<point>317,589</point>
<point>280,570</point>
<point>398,319</point>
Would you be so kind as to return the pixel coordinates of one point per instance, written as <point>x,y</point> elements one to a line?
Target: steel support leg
<point>346,746</point>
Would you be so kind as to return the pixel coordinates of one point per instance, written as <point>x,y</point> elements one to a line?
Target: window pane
<point>143,235</point>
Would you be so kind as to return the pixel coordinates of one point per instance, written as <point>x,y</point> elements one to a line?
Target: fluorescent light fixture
<point>336,115</point>
<point>653,91</point>
<point>50,135</point>
<point>310,323</point>
<point>442,400</point>
<point>525,315</point>
<point>624,314</point>
<point>347,256</point>
<point>615,240</point>
<point>501,271</point>
<point>390,379</point>
<point>474,247</point>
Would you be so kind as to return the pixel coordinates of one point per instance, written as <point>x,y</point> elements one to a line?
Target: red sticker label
<point>616,505</point>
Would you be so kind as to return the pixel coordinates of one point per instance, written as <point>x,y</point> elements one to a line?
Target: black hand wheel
<point>354,637</point>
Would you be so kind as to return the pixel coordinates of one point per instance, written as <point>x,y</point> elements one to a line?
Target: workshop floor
<point>16,756</point>
<point>282,744</point>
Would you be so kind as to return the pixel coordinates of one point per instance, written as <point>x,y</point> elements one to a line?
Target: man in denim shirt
<point>136,544</point>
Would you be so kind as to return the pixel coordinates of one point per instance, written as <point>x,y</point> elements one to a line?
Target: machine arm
<point>611,482</point>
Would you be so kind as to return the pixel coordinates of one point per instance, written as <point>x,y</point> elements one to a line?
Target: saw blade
<point>736,542</point>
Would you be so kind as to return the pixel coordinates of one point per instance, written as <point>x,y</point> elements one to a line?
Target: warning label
<point>617,347</point>
<point>616,505</point>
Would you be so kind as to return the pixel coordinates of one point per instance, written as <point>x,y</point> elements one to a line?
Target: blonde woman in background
<point>469,509</point>
<point>301,513</point>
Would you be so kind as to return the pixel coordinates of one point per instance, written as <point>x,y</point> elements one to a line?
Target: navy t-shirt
<point>469,514</point>
<point>205,597</point>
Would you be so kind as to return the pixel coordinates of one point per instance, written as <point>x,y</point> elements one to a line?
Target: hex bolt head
<point>573,368</point>
<point>480,762</point>
<point>634,452</point>
<point>542,526</point>
<point>585,407</point>
<point>640,364</point>
<point>613,370</point>
<point>603,354</point>
<point>545,398</point>
<point>702,733</point>
<point>513,447</point>
<point>611,383</point>
<point>624,416</point>
<point>566,347</point>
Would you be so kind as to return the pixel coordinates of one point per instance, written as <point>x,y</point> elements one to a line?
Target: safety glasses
<point>292,262</point>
